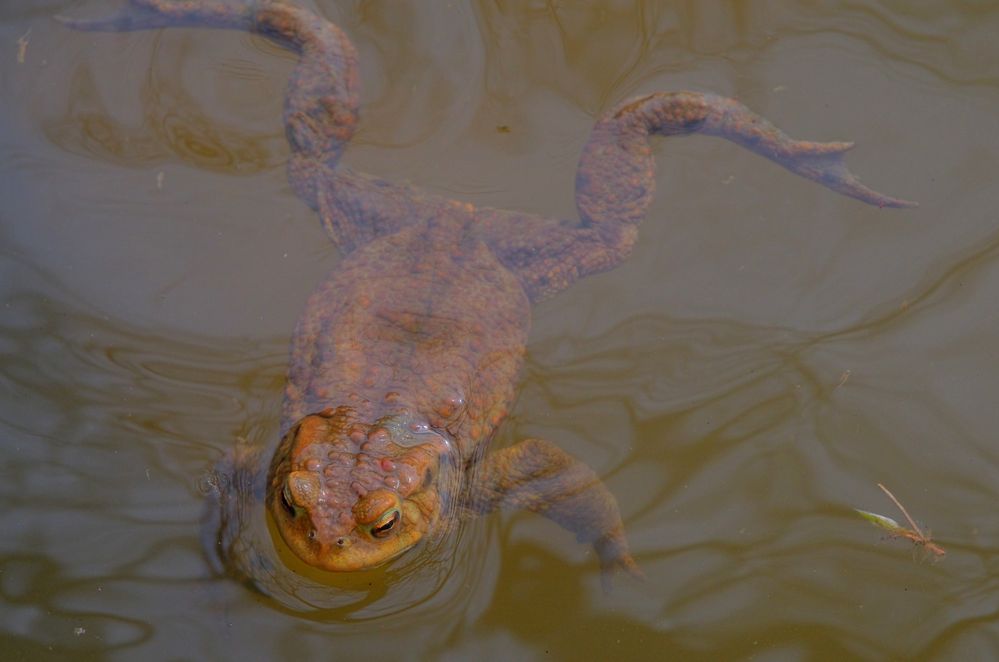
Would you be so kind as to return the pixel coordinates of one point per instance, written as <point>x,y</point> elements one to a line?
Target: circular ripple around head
<point>425,583</point>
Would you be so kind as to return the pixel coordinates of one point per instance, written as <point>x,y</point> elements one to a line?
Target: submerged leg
<point>539,476</point>
<point>615,183</point>
<point>235,489</point>
<point>615,176</point>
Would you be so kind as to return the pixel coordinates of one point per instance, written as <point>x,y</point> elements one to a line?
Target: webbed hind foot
<point>824,163</point>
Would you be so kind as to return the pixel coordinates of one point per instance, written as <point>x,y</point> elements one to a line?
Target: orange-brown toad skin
<point>406,357</point>
<point>414,354</point>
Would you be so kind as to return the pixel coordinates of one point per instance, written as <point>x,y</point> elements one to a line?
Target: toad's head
<point>351,496</point>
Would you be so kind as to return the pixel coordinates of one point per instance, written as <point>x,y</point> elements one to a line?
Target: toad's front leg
<point>539,476</point>
<point>235,491</point>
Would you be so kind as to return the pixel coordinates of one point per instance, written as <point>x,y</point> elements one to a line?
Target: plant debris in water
<point>896,530</point>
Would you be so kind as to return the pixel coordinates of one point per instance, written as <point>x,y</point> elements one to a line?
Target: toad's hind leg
<point>615,183</point>
<point>321,100</point>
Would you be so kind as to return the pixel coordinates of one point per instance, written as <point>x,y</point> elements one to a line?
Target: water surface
<point>770,352</point>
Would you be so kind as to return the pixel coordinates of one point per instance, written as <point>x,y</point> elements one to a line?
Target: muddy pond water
<point>770,352</point>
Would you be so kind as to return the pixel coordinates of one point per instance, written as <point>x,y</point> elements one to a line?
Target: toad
<point>405,359</point>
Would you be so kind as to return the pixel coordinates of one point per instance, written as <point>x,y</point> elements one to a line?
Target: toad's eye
<point>287,502</point>
<point>385,523</point>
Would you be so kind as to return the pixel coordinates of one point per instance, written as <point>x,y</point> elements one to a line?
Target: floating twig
<point>896,530</point>
<point>22,46</point>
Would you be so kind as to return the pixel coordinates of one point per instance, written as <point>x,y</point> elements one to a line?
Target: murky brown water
<point>769,354</point>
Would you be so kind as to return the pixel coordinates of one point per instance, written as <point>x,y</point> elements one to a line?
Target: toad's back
<point>425,322</point>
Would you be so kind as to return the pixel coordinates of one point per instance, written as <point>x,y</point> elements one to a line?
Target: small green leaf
<point>881,521</point>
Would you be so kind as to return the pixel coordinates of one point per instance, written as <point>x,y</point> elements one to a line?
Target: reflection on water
<point>181,129</point>
<point>767,356</point>
<point>92,409</point>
